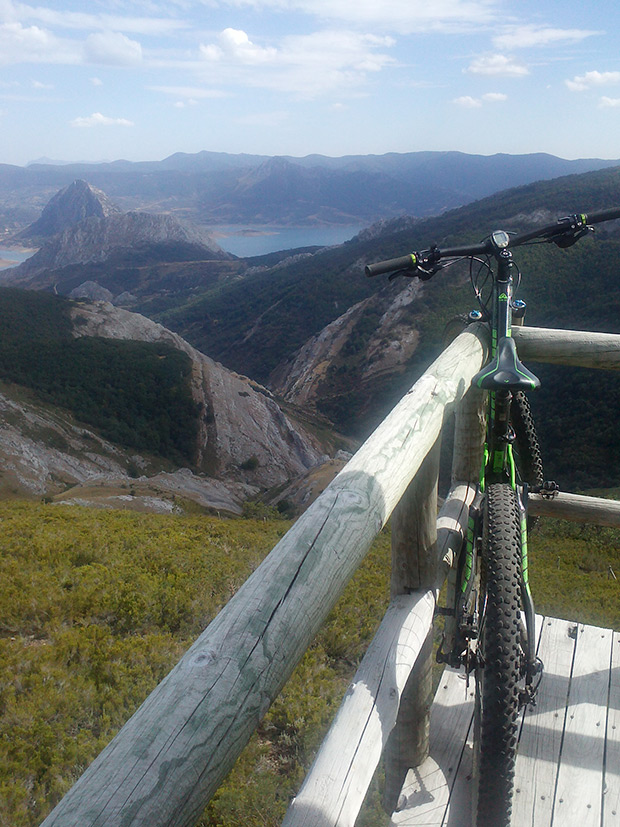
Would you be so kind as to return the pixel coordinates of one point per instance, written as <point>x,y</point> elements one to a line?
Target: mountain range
<point>218,188</point>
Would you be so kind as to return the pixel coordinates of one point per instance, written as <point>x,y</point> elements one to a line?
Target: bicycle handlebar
<point>569,227</point>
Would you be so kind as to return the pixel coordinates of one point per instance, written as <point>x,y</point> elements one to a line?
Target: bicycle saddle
<point>505,371</point>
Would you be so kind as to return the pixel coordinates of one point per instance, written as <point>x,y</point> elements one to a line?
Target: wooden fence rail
<point>167,761</point>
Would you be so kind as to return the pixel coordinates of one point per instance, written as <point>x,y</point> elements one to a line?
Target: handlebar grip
<point>603,215</point>
<point>409,262</point>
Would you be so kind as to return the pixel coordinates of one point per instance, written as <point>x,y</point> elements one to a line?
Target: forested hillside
<point>258,322</point>
<point>134,393</point>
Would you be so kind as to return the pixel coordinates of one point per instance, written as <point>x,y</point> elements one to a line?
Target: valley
<point>315,337</point>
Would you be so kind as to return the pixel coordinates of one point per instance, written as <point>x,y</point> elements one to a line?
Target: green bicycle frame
<point>498,463</point>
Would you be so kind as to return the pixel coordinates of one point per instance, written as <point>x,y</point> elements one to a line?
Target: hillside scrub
<point>97,608</point>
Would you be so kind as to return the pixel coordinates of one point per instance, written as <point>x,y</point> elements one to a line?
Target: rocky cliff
<point>373,338</point>
<point>244,435</point>
<point>44,453</point>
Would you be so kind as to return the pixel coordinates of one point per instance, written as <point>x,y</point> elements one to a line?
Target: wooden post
<point>469,434</point>
<point>171,756</point>
<point>414,566</point>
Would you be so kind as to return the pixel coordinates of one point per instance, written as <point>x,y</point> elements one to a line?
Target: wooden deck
<point>568,764</point>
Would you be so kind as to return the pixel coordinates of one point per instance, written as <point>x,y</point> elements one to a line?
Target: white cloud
<point>234,44</point>
<point>96,81</point>
<point>30,44</point>
<point>500,65</point>
<point>112,49</point>
<point>305,64</point>
<point>402,16</point>
<point>582,82</point>
<point>97,119</point>
<point>63,19</point>
<point>37,84</point>
<point>467,102</point>
<point>609,103</point>
<point>524,37</point>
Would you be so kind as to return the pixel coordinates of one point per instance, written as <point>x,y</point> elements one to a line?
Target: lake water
<point>245,241</point>
<point>12,256</point>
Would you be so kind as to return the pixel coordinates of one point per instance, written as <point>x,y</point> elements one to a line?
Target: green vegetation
<point>571,572</point>
<point>98,606</point>
<point>134,393</point>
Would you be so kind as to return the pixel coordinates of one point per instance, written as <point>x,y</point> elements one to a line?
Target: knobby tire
<point>499,670</point>
<point>527,448</point>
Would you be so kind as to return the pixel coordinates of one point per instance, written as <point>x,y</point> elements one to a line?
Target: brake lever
<point>424,275</point>
<point>571,237</point>
<point>420,272</point>
<point>399,273</point>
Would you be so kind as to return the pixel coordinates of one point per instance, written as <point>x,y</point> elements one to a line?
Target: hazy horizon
<point>140,81</point>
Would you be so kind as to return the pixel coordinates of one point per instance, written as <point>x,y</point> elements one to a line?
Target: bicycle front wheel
<point>500,658</point>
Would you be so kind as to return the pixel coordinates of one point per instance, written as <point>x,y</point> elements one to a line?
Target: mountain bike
<point>490,619</point>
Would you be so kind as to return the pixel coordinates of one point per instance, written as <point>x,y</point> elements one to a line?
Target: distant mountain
<point>81,226</point>
<point>68,207</point>
<point>215,188</point>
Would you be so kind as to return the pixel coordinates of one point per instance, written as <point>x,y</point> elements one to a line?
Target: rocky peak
<point>97,238</point>
<point>75,203</point>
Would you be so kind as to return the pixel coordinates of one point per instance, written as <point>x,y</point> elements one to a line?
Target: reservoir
<point>9,258</point>
<point>247,240</point>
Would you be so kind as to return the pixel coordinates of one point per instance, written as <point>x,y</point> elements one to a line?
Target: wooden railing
<point>164,765</point>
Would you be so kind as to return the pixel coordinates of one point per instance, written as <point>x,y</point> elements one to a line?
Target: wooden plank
<point>336,784</point>
<point>611,788</point>
<point>171,756</point>
<point>426,792</point>
<point>569,347</point>
<point>576,507</point>
<point>579,784</point>
<point>460,806</point>
<point>543,725</point>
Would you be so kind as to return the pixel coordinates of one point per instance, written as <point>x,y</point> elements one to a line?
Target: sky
<point>143,79</point>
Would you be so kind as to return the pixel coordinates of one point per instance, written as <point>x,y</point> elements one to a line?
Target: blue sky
<point>140,80</point>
